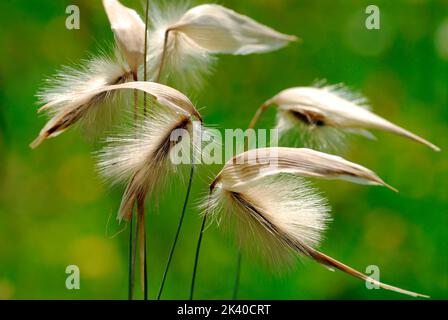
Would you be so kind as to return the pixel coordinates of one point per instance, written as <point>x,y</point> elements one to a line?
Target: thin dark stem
<point>135,78</point>
<point>132,242</point>
<point>252,125</point>
<point>130,262</point>
<point>179,227</point>
<point>237,276</point>
<point>198,248</point>
<point>145,272</point>
<point>257,115</point>
<point>162,61</point>
<point>145,263</point>
<point>145,63</point>
<point>134,256</point>
<point>142,240</point>
<point>140,227</point>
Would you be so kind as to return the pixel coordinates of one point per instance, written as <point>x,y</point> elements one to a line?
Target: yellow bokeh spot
<point>96,257</point>
<point>6,290</point>
<point>385,230</point>
<point>441,40</point>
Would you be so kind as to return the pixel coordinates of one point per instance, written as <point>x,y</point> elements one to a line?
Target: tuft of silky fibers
<point>344,92</point>
<point>280,214</point>
<point>311,130</point>
<point>293,130</point>
<point>334,107</point>
<point>143,158</point>
<point>186,64</point>
<point>270,213</point>
<point>69,97</point>
<point>192,35</point>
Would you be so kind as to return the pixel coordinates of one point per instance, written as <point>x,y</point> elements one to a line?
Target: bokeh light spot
<point>441,40</point>
<point>368,42</point>
<point>96,257</point>
<point>385,230</point>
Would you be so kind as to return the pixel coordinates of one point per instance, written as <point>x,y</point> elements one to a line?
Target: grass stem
<point>132,242</point>
<point>142,246</point>
<point>198,248</point>
<point>162,61</point>
<point>145,63</point>
<point>257,115</point>
<point>179,227</point>
<point>237,275</point>
<point>252,125</point>
<point>130,262</point>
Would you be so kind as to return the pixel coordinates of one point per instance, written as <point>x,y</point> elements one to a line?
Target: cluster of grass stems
<point>290,104</point>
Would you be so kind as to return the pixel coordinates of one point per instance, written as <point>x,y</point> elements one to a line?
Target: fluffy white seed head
<point>125,154</point>
<point>193,35</point>
<point>185,63</point>
<point>221,30</point>
<point>263,188</point>
<point>270,213</point>
<point>144,157</point>
<point>141,158</point>
<point>86,105</point>
<point>77,95</point>
<point>129,31</point>
<point>277,211</point>
<point>317,109</point>
<point>250,166</point>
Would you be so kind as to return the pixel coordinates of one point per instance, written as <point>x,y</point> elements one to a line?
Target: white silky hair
<point>72,81</point>
<point>279,215</point>
<point>196,34</point>
<point>299,134</point>
<point>129,31</point>
<point>338,109</point>
<point>186,64</point>
<point>289,203</point>
<point>126,153</point>
<point>74,87</point>
<point>255,164</point>
<point>141,157</point>
<point>323,138</point>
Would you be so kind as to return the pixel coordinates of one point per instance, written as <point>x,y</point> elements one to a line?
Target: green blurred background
<point>54,210</point>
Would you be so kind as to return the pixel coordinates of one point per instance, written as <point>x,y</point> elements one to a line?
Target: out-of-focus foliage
<point>54,210</point>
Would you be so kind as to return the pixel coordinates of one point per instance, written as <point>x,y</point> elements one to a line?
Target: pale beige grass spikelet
<point>184,40</point>
<point>221,30</point>
<point>78,95</point>
<point>141,158</point>
<point>85,104</point>
<point>328,113</point>
<point>255,164</point>
<point>71,96</point>
<point>278,211</point>
<point>129,31</point>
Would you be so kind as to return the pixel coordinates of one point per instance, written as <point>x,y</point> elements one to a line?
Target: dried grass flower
<point>77,95</point>
<point>129,31</point>
<point>277,211</point>
<point>142,158</point>
<point>183,40</point>
<point>323,116</point>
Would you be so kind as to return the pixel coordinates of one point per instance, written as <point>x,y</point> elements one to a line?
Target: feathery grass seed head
<point>75,95</point>
<point>317,108</point>
<point>129,31</point>
<point>184,40</point>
